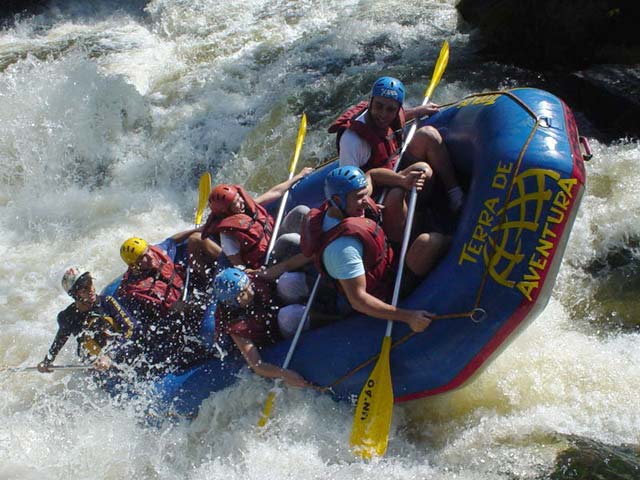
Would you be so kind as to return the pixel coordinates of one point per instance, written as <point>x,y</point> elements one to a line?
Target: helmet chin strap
<point>333,203</point>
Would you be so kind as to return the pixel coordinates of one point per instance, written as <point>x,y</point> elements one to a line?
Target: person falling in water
<point>104,332</point>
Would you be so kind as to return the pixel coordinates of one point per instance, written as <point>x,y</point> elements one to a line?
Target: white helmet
<point>70,279</point>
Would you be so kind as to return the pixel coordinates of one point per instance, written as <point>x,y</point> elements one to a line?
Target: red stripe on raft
<point>574,140</point>
<point>525,307</point>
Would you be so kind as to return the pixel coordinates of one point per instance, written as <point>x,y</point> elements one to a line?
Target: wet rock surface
<point>587,459</point>
<point>10,8</point>
<point>588,51</point>
<point>609,95</point>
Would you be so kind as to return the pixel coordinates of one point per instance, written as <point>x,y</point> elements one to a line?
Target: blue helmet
<point>389,87</point>
<point>342,181</point>
<point>229,283</point>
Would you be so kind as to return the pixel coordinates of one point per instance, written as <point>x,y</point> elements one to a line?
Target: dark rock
<point>588,459</point>
<point>609,95</point>
<point>547,34</point>
<point>10,8</point>
<point>588,51</point>
<point>613,284</point>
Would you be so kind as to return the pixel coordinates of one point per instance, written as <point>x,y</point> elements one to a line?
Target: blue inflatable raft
<point>520,155</point>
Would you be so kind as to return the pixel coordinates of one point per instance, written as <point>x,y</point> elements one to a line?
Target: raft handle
<point>478,315</point>
<point>587,155</point>
<point>544,122</point>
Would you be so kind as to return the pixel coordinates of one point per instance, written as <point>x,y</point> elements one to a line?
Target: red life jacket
<point>384,143</point>
<point>252,229</point>
<point>257,322</point>
<point>210,226</point>
<point>208,229</point>
<point>159,288</point>
<point>377,253</point>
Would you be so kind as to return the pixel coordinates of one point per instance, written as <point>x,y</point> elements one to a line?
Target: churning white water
<point>109,113</point>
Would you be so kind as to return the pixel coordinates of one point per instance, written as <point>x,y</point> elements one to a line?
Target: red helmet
<point>221,198</point>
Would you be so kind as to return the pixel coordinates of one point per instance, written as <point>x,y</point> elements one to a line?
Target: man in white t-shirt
<point>370,136</point>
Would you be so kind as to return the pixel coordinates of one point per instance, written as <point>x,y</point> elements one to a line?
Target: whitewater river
<point>109,113</point>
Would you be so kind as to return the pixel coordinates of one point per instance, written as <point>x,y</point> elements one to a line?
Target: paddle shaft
<point>185,291</point>
<point>305,315</point>
<point>276,226</point>
<point>403,253</point>
<point>283,203</point>
<point>266,411</point>
<point>203,191</point>
<point>441,64</point>
<point>372,421</point>
<point>268,405</point>
<point>52,367</point>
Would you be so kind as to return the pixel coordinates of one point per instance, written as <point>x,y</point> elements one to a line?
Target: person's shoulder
<point>354,150</point>
<point>68,315</point>
<point>260,283</point>
<point>328,222</point>
<point>344,247</point>
<point>129,281</point>
<point>343,258</point>
<point>349,138</point>
<point>349,241</point>
<point>68,311</point>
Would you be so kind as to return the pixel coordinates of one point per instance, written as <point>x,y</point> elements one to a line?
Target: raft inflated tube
<point>519,153</point>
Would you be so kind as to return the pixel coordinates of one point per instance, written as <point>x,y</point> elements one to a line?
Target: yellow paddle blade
<point>203,195</point>
<point>438,70</point>
<point>372,419</point>
<point>296,153</point>
<point>266,411</point>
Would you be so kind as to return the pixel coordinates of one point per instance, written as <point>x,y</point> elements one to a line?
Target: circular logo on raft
<point>519,226</point>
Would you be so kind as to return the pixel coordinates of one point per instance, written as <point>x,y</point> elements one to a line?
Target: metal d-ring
<point>478,315</point>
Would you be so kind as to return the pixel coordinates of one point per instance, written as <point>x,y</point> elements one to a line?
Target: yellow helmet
<point>131,250</point>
